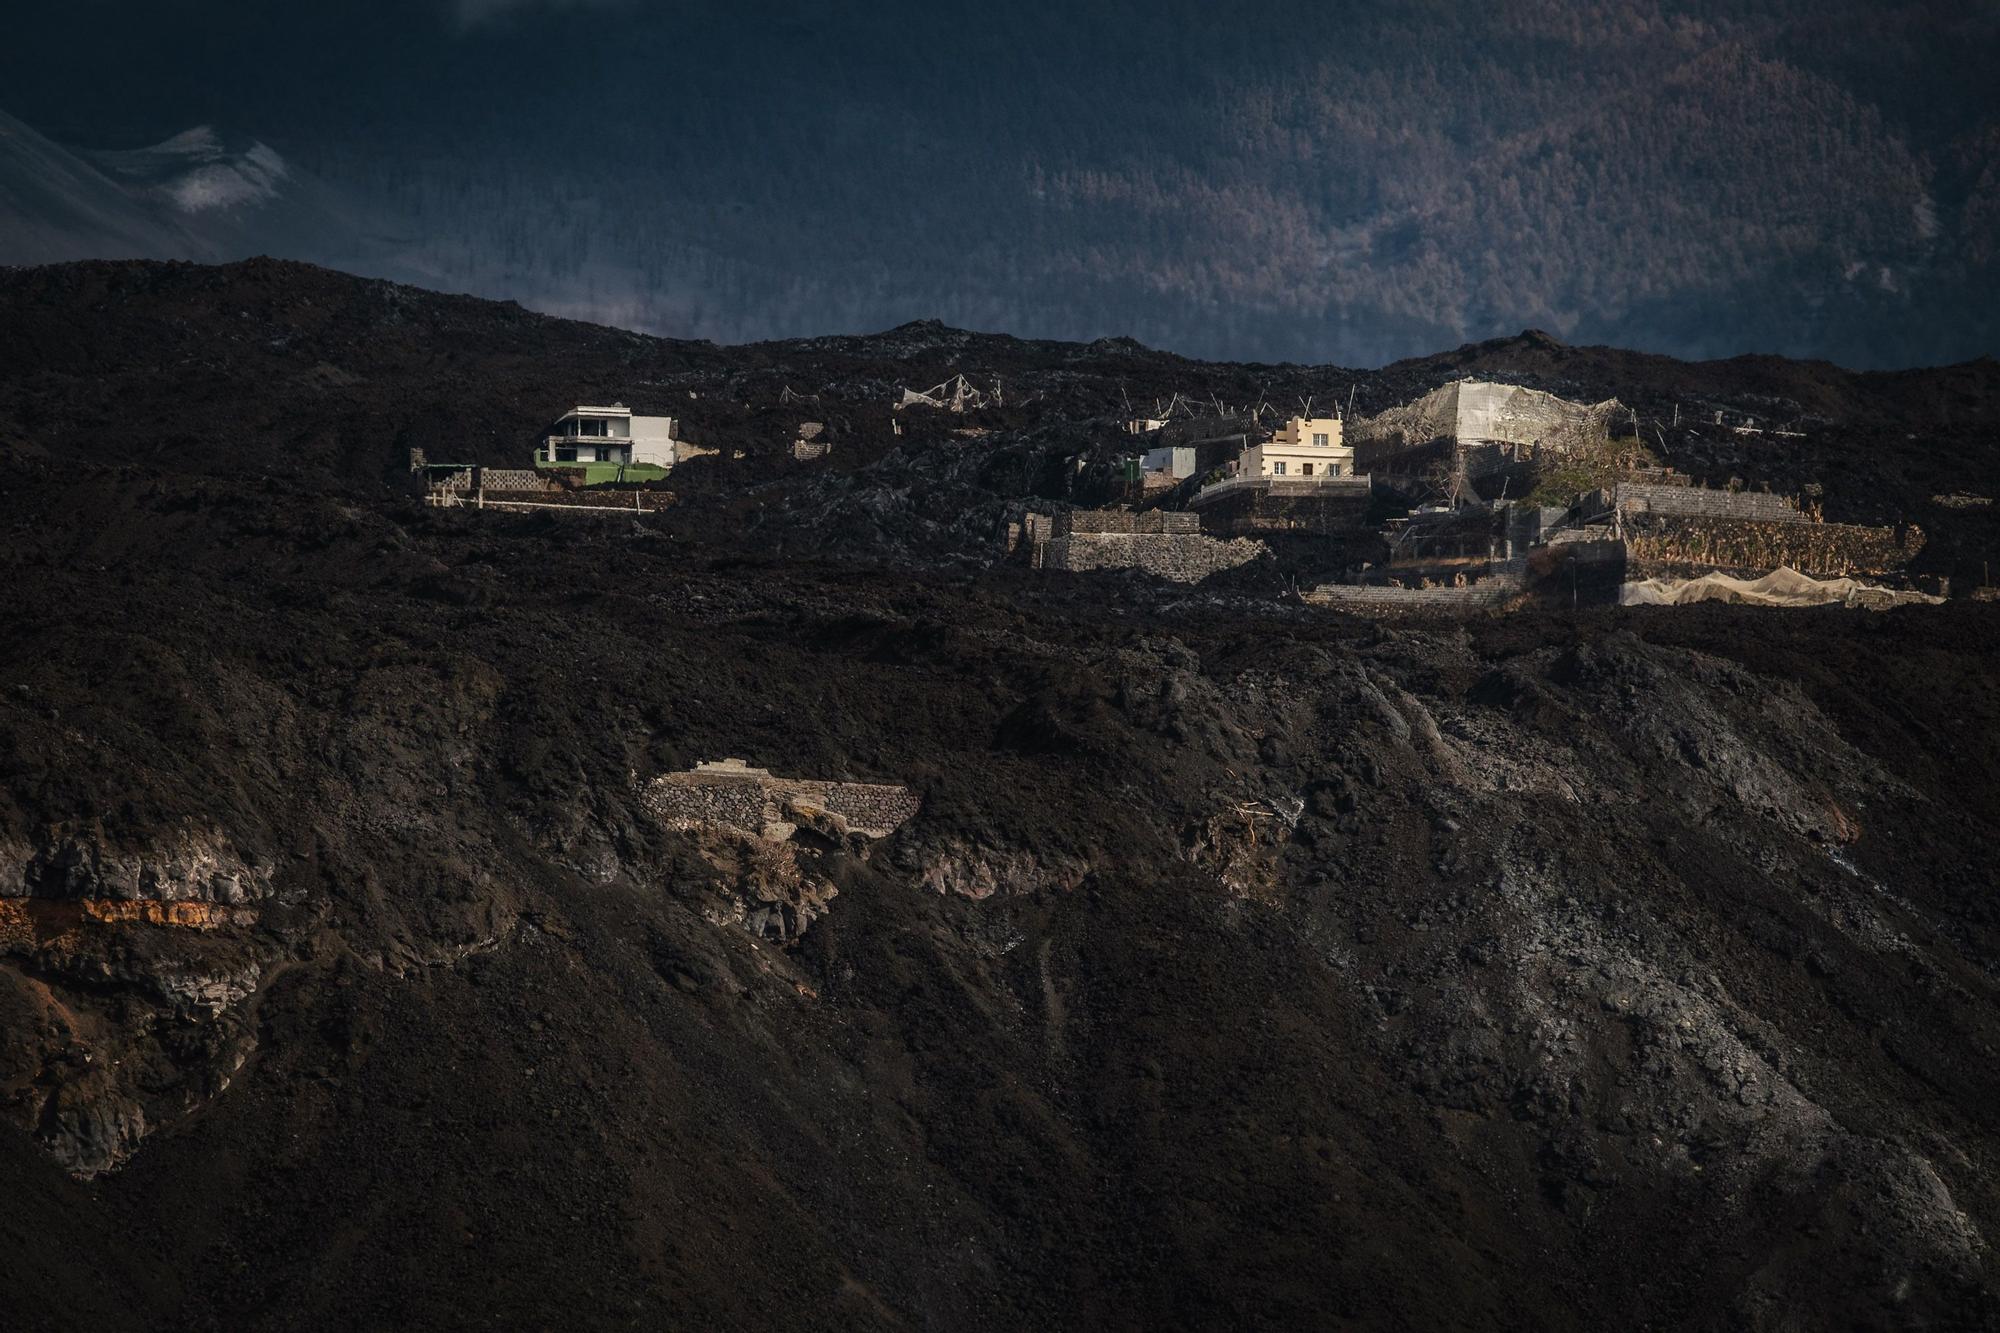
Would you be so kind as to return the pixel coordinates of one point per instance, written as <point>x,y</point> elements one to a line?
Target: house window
<point>1306,470</point>
<point>1319,439</point>
<point>566,453</point>
<point>1336,471</point>
<point>1277,469</point>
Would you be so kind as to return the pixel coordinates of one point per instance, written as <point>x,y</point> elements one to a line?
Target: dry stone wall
<point>1164,544</point>
<point>1696,502</point>
<point>1158,521</point>
<point>1377,599</point>
<point>1178,558</point>
<point>731,795</point>
<point>514,479</point>
<point>593,498</point>
<point>1659,544</point>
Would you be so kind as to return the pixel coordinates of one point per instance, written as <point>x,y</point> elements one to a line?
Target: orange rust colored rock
<point>17,930</point>
<point>192,915</point>
<point>24,921</point>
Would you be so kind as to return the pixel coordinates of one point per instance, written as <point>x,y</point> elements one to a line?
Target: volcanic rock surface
<point>1246,964</point>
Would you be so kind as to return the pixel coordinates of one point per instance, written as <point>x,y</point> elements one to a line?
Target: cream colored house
<point>1304,447</point>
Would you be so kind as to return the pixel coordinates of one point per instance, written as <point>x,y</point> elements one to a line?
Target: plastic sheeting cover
<point>1783,586</point>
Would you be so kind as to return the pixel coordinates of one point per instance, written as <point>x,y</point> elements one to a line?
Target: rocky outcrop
<point>769,886</point>
<point>978,873</point>
<point>130,966</point>
<point>75,863</point>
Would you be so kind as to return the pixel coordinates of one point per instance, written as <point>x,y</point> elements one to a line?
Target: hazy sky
<point>1288,178</point>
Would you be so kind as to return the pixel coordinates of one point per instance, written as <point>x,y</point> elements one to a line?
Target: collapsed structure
<point>730,794</point>
<point>956,394</point>
<point>1478,427</point>
<point>812,442</point>
<point>747,824</point>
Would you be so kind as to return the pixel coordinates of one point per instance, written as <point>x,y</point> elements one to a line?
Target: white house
<point>609,435</point>
<point>1176,461</point>
<point>1302,447</point>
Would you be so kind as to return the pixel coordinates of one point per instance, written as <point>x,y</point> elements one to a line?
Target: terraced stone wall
<point>749,804</point>
<point>1378,599</point>
<point>1669,544</point>
<point>1698,502</point>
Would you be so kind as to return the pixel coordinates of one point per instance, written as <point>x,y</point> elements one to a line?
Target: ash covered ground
<point>1247,965</point>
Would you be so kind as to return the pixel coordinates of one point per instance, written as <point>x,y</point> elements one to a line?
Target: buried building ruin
<point>1476,428</point>
<point>730,794</point>
<point>745,823</point>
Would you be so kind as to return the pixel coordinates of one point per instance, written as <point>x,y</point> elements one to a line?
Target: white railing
<point>1283,486</point>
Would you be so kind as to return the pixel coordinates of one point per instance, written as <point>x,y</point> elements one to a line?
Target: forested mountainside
<point>1243,964</point>
<point>1287,180</point>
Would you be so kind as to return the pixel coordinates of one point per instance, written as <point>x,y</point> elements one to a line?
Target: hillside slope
<point>1245,965</point>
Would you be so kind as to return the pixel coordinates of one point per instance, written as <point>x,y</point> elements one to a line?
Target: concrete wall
<point>653,441</point>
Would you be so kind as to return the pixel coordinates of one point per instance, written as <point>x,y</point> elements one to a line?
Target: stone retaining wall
<point>591,498</point>
<point>734,796</point>
<point>1180,557</point>
<point>1163,543</point>
<point>1124,521</point>
<point>1697,502</point>
<point>1660,544</point>
<point>1378,599</point>
<point>514,479</point>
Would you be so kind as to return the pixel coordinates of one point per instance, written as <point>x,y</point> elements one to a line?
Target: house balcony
<point>562,450</point>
